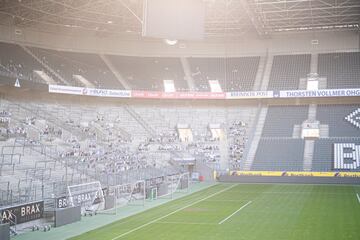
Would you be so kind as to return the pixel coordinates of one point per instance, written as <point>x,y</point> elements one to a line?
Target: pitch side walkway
<point>89,223</point>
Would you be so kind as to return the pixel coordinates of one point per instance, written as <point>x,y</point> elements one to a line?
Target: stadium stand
<point>89,66</point>
<point>279,142</point>
<point>340,69</point>
<point>233,74</point>
<point>279,149</point>
<point>95,144</point>
<point>15,62</point>
<point>50,149</point>
<point>50,145</point>
<point>334,116</point>
<point>285,78</point>
<point>324,150</point>
<point>153,71</point>
<point>279,155</point>
<point>280,120</point>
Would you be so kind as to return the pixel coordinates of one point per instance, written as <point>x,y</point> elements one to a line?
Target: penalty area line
<point>227,218</point>
<point>173,212</point>
<point>358,197</point>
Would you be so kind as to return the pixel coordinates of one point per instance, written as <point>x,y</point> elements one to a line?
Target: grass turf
<point>246,211</point>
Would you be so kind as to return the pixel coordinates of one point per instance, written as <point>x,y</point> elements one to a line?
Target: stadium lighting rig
<point>171,42</point>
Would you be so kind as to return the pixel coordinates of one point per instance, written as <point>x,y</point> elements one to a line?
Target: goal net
<point>128,194</point>
<point>180,182</point>
<point>89,196</point>
<point>177,183</point>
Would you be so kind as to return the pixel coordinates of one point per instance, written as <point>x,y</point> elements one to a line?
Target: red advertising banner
<point>177,95</point>
<point>145,94</point>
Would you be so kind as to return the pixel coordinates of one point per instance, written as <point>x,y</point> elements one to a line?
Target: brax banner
<point>22,213</point>
<point>64,202</point>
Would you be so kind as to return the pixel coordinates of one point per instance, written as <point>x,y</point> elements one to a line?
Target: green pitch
<point>234,212</point>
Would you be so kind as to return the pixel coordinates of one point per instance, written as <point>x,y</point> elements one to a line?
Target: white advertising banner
<point>320,93</point>
<point>249,94</point>
<point>89,91</point>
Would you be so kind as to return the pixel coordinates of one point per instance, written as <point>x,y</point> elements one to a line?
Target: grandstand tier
<point>191,73</point>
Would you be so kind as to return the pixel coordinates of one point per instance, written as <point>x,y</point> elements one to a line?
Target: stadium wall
<point>67,215</point>
<point>5,231</point>
<point>135,46</point>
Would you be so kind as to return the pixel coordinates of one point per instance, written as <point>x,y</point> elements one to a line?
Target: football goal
<point>127,194</point>
<point>89,196</point>
<point>176,183</point>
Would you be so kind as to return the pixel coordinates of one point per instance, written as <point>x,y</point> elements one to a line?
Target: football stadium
<point>179,119</point>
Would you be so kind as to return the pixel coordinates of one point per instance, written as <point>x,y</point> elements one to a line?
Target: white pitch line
<point>225,200</point>
<point>224,220</point>
<point>186,223</point>
<point>169,214</point>
<point>358,197</point>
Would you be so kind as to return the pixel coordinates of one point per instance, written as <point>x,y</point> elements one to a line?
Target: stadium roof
<point>224,18</point>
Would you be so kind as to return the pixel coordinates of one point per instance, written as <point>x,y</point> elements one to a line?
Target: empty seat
<point>323,159</point>
<point>279,155</point>
<point>334,116</point>
<point>342,70</point>
<point>233,74</point>
<point>148,73</point>
<point>280,120</point>
<point>287,70</point>
<point>88,65</point>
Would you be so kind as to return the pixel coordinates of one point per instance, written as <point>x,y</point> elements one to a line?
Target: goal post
<point>128,194</point>
<point>180,182</point>
<point>177,183</point>
<point>89,196</point>
<point>153,194</point>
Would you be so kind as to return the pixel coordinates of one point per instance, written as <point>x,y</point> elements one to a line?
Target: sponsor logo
<point>62,202</point>
<point>98,92</point>
<point>87,198</point>
<point>294,174</point>
<point>320,93</point>
<point>23,213</point>
<point>249,94</point>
